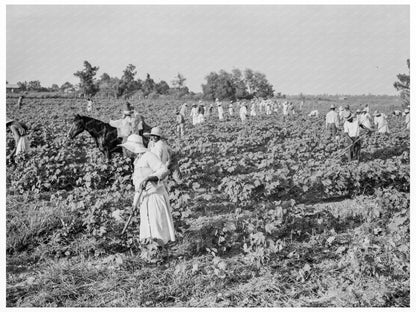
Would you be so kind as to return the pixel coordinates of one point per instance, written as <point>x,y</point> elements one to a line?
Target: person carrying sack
<point>20,132</point>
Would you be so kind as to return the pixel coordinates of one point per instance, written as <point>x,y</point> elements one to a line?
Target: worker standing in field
<point>194,114</point>
<point>332,121</point>
<point>220,109</point>
<point>89,105</point>
<point>407,118</point>
<point>20,132</point>
<point>180,124</point>
<point>20,101</point>
<point>183,109</point>
<point>156,223</point>
<point>124,125</point>
<point>201,112</point>
<point>243,112</point>
<point>285,109</point>
<point>352,132</point>
<point>231,109</point>
<point>268,107</point>
<point>158,146</point>
<point>380,121</point>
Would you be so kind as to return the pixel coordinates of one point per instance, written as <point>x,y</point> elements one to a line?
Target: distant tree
<point>179,81</point>
<point>403,85</point>
<point>210,87</point>
<point>257,84</point>
<point>127,83</point>
<point>88,84</point>
<point>34,85</point>
<point>66,85</point>
<point>148,85</point>
<point>54,87</point>
<point>162,87</point>
<point>22,85</point>
<point>239,85</point>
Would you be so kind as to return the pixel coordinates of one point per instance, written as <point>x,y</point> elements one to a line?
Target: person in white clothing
<point>124,126</point>
<point>332,121</point>
<point>156,222</point>
<point>253,108</point>
<point>285,109</point>
<point>352,131</point>
<point>158,146</point>
<point>268,107</point>
<point>231,108</point>
<point>243,112</point>
<point>194,114</point>
<point>380,122</point>
<point>183,109</point>
<point>220,109</point>
<point>407,118</point>
<point>201,112</point>
<point>89,105</point>
<point>20,132</point>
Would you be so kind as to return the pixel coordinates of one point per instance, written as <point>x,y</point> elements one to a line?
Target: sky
<point>309,49</point>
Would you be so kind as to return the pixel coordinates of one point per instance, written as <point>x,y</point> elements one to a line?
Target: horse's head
<point>78,125</point>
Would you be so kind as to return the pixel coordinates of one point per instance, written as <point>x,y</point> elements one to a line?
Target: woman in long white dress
<point>156,223</point>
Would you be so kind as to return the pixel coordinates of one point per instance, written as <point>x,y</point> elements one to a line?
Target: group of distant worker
<point>352,124</point>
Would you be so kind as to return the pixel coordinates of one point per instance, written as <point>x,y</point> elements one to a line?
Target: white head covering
<point>155,131</point>
<point>134,144</point>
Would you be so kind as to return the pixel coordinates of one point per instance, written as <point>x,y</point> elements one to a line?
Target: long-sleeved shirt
<point>161,150</point>
<point>381,123</point>
<point>148,165</point>
<point>124,126</point>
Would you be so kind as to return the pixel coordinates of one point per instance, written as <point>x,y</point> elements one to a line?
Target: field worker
<point>366,119</point>
<point>380,122</point>
<point>314,113</point>
<point>301,104</point>
<point>268,107</point>
<point>20,132</point>
<point>194,114</point>
<point>346,112</point>
<point>367,109</point>
<point>407,118</point>
<point>201,112</point>
<point>292,108</point>
<point>243,112</point>
<point>180,124</point>
<point>220,109</point>
<point>285,109</point>
<point>20,102</point>
<point>352,132</point>
<point>332,121</point>
<point>124,125</point>
<point>89,105</point>
<point>158,146</point>
<point>253,108</point>
<point>211,109</point>
<point>183,109</point>
<point>231,108</point>
<point>156,223</point>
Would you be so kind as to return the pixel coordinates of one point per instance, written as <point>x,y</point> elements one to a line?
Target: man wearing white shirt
<point>332,121</point>
<point>352,132</point>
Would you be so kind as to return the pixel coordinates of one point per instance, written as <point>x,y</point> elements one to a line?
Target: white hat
<point>134,144</point>
<point>155,131</point>
<point>406,110</point>
<point>332,105</point>
<point>8,120</point>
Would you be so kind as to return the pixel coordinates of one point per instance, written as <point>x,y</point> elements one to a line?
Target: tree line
<point>221,85</point>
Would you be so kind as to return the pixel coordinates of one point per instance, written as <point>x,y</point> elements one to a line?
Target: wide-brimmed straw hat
<point>332,105</point>
<point>156,131</point>
<point>134,144</point>
<point>406,110</point>
<point>8,120</point>
<point>348,115</point>
<point>376,113</point>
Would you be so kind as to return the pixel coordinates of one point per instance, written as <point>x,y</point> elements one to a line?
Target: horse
<point>104,135</point>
